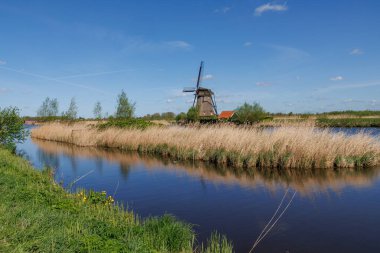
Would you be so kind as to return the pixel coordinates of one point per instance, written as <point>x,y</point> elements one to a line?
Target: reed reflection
<point>303,181</point>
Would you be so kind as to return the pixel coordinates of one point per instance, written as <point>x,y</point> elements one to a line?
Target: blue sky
<point>295,55</point>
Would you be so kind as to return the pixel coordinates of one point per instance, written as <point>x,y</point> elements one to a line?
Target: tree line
<point>125,109</point>
<point>50,109</point>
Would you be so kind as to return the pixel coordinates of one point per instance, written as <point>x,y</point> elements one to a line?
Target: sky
<point>289,56</point>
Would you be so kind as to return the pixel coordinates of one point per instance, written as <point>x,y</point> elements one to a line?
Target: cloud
<point>356,51</point>
<point>289,53</point>
<point>169,100</point>
<point>178,44</point>
<point>138,45</point>
<point>2,62</point>
<point>263,84</point>
<point>336,78</point>
<point>222,10</point>
<point>348,86</point>
<point>247,44</point>
<point>269,7</point>
<point>207,77</point>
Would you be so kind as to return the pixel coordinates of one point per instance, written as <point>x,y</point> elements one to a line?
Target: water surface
<point>332,211</point>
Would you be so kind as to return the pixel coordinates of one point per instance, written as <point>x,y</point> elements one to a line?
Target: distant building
<point>226,115</point>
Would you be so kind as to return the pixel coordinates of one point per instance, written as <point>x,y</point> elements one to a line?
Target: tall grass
<point>283,147</point>
<point>38,215</point>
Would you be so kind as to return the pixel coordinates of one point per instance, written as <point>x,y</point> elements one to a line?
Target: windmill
<point>204,98</point>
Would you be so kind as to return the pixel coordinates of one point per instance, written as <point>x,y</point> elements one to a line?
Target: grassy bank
<point>348,122</point>
<point>283,147</point>
<point>38,215</point>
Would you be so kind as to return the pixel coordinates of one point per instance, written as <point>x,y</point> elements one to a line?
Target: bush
<point>181,117</point>
<point>193,114</point>
<point>126,123</point>
<point>249,113</point>
<point>11,128</point>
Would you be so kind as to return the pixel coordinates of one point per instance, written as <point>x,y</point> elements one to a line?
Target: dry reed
<point>283,147</point>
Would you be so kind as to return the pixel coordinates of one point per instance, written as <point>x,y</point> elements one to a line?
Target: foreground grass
<point>282,147</point>
<point>38,215</point>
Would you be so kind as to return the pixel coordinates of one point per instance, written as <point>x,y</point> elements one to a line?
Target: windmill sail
<point>203,97</point>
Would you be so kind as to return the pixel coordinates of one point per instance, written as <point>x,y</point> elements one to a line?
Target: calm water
<point>331,211</point>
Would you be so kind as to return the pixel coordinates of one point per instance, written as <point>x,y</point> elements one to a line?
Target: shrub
<point>126,123</point>
<point>249,113</point>
<point>11,128</point>
<point>193,114</point>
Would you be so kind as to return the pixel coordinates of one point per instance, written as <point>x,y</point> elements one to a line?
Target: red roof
<point>226,114</point>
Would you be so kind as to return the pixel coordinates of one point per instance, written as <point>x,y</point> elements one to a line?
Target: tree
<point>72,111</point>
<point>11,128</point>
<point>168,115</point>
<point>181,117</point>
<point>125,109</point>
<point>98,110</point>
<point>193,114</point>
<point>48,108</point>
<point>249,113</point>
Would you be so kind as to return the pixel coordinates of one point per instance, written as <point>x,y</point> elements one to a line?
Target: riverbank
<point>38,215</point>
<point>283,147</point>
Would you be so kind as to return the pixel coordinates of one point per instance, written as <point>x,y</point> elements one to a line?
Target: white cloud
<point>263,84</point>
<point>169,101</point>
<point>356,51</point>
<point>269,7</point>
<point>247,44</point>
<point>223,10</point>
<point>207,77</point>
<point>336,78</point>
<point>178,44</point>
<point>2,62</point>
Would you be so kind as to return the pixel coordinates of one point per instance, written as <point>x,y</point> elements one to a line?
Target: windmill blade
<point>189,89</point>
<point>200,75</point>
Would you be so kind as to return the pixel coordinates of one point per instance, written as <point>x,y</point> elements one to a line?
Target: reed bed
<point>306,183</point>
<point>301,146</point>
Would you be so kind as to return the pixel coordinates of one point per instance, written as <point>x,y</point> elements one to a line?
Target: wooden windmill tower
<point>204,98</point>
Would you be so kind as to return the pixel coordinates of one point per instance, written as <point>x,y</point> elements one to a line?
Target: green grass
<point>349,122</point>
<point>38,215</point>
<point>126,123</point>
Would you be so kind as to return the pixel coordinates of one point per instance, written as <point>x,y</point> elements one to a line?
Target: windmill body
<point>203,98</point>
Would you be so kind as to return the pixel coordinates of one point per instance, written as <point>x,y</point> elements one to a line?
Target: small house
<point>226,115</point>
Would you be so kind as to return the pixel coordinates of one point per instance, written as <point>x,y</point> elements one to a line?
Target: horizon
<point>289,56</point>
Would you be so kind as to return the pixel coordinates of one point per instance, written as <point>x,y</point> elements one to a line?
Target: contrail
<point>54,79</point>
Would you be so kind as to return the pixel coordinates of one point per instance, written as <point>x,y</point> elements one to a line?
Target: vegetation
<point>302,147</point>
<point>38,215</point>
<point>11,128</point>
<point>98,110</point>
<point>125,123</point>
<point>348,122</point>
<point>193,114</point>
<point>354,113</point>
<point>181,117</point>
<point>160,116</point>
<point>249,113</point>
<point>125,109</point>
<point>49,108</point>
<point>72,112</point>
